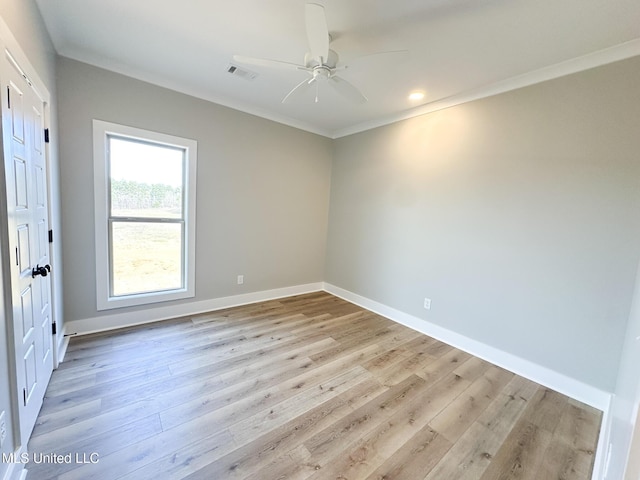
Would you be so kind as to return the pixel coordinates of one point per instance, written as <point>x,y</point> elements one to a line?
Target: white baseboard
<point>602,449</point>
<point>544,376</point>
<point>63,344</point>
<point>129,319</point>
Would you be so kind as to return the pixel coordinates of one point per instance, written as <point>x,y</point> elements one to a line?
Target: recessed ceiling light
<point>415,96</point>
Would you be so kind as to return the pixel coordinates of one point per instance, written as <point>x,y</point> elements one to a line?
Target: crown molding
<point>568,67</point>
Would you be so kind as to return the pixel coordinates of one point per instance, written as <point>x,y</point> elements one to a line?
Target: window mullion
<point>146,219</point>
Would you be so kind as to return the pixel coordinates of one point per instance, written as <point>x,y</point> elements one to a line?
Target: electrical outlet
<point>427,303</point>
<point>3,429</point>
<point>240,279</point>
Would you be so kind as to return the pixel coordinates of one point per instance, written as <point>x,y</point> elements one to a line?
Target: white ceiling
<point>458,49</point>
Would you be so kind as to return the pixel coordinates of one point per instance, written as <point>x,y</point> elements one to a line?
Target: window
<point>145,215</point>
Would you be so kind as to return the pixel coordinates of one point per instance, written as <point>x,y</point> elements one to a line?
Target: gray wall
<point>26,25</point>
<point>517,215</point>
<point>262,191</point>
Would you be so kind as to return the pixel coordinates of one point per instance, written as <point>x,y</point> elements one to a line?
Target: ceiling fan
<point>321,63</point>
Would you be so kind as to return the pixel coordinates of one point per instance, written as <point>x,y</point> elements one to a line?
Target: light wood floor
<point>308,387</point>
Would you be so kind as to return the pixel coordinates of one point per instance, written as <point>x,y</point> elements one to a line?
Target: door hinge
<point>54,328</point>
<point>46,135</point>
<point>8,97</point>
<point>24,396</point>
<point>50,236</point>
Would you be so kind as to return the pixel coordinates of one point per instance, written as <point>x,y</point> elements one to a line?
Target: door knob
<point>44,271</point>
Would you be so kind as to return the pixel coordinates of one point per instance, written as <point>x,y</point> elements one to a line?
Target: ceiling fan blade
<point>317,31</point>
<point>298,89</point>
<point>347,90</point>
<point>379,58</point>
<point>266,62</point>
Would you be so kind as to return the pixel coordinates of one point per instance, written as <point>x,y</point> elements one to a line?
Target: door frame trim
<point>9,45</point>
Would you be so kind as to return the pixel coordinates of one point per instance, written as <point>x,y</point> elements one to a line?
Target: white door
<point>26,186</point>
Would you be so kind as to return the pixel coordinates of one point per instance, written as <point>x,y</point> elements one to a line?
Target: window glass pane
<point>145,179</point>
<point>146,257</point>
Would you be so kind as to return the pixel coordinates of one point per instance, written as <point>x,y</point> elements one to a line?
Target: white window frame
<point>101,130</point>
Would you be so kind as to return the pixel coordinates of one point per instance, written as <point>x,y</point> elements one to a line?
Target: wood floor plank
<point>184,363</point>
<point>56,420</point>
<point>104,442</point>
<point>360,458</point>
<point>127,460</point>
<point>304,387</point>
<point>278,442</point>
<point>468,458</point>
<point>214,377</point>
<point>474,450</point>
<point>90,427</point>
<point>504,411</point>
<point>422,453</point>
<point>458,416</point>
<point>577,427</point>
<point>294,465</point>
<point>399,371</point>
<point>444,365</point>
<point>63,384</point>
<point>386,360</point>
<point>562,461</point>
<point>79,397</point>
<point>570,454</point>
<point>546,409</point>
<point>472,368</point>
<point>292,347</point>
<point>278,414</point>
<point>348,429</point>
<point>521,455</point>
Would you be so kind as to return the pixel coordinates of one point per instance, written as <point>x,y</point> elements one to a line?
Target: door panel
<point>40,186</point>
<point>38,133</point>
<point>26,307</point>
<point>42,242</point>
<point>30,373</point>
<point>21,189</point>
<point>46,355</point>
<point>24,251</point>
<point>17,112</point>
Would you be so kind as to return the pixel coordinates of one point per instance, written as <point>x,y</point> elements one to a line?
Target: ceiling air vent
<point>241,72</point>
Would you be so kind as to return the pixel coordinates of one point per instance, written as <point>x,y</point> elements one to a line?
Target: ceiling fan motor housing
<point>330,62</point>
